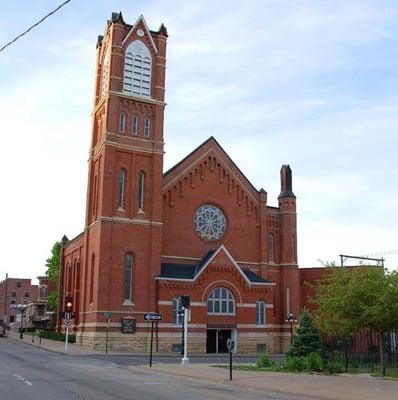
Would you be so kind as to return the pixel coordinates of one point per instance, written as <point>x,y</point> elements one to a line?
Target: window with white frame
<point>134,125</point>
<point>177,318</point>
<point>128,277</point>
<point>260,312</point>
<point>137,69</point>
<point>147,127</point>
<point>220,301</point>
<point>122,122</point>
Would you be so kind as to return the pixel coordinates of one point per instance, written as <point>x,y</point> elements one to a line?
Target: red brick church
<point>199,229</point>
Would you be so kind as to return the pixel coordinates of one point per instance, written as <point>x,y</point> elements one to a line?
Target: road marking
<point>155,383</point>
<point>23,379</point>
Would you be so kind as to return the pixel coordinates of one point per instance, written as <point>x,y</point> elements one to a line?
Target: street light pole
<point>291,319</point>
<point>185,359</point>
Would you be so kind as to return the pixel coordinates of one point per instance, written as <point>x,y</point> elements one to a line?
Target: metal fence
<point>360,351</point>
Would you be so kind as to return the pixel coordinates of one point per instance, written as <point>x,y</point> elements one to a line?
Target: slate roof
<point>253,277</point>
<point>189,271</point>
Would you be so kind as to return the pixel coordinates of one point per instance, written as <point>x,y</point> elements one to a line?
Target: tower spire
<point>286,182</point>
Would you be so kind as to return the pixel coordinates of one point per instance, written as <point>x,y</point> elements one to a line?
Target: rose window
<point>209,222</point>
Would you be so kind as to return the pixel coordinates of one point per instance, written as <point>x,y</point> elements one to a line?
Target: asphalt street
<point>30,373</point>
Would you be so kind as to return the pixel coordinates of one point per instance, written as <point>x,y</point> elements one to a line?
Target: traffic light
<point>185,301</point>
<point>68,307</point>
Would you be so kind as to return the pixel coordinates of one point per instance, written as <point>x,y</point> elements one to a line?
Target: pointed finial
<point>163,30</point>
<point>286,182</point>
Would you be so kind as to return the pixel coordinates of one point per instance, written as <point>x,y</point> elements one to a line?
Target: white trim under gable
<point>234,263</point>
<point>141,18</point>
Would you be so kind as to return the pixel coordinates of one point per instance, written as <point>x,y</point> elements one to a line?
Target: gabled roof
<point>190,160</point>
<point>147,31</point>
<point>184,272</point>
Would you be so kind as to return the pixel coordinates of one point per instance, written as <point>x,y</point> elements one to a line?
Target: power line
<point>33,26</point>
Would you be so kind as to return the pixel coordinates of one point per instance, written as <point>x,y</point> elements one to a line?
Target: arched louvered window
<point>121,188</point>
<point>260,312</point>
<point>141,190</point>
<point>220,301</point>
<point>128,277</point>
<point>137,69</point>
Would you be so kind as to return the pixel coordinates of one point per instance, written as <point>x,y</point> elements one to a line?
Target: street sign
<point>153,317</point>
<point>107,314</point>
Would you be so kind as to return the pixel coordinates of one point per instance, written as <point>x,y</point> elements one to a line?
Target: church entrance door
<point>217,340</point>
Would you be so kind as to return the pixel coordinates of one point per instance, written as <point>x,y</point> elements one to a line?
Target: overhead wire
<point>34,25</point>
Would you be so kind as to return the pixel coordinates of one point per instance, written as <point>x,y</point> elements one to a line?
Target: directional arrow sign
<point>153,317</point>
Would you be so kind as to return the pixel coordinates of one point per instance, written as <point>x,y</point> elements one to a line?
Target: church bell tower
<point>124,212</point>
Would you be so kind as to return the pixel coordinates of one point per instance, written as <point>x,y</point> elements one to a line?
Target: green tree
<point>52,265</point>
<point>358,298</point>
<point>307,340</point>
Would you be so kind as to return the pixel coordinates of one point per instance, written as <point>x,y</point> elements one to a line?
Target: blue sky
<point>311,83</point>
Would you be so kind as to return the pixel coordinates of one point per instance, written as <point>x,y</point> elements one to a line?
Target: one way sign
<point>153,317</point>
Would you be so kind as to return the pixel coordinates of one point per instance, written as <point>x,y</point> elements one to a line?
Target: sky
<point>310,83</point>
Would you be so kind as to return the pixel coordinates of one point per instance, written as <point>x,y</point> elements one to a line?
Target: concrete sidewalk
<point>325,387</point>
<point>52,345</point>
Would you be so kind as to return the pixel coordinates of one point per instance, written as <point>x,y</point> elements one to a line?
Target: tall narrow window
<point>260,312</point>
<point>271,257</point>
<point>121,184</point>
<point>91,297</point>
<point>122,122</point>
<point>141,191</point>
<point>294,253</point>
<point>147,127</point>
<point>177,307</point>
<point>134,125</point>
<point>128,277</point>
<point>287,300</point>
<point>137,69</point>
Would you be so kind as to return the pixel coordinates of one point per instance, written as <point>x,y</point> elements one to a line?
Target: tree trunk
<point>382,354</point>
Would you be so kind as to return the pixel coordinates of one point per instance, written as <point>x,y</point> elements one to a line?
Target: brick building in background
<point>200,229</point>
<point>15,291</point>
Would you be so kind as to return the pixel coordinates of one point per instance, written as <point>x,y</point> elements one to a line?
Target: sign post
<point>108,316</point>
<point>66,333</point>
<point>230,345</point>
<point>152,317</point>
<point>151,350</point>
